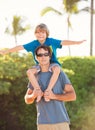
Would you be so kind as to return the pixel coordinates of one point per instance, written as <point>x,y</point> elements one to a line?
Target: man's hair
<point>42,27</point>
<point>44,47</point>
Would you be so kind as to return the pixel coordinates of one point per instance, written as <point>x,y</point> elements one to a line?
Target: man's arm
<point>68,42</point>
<point>14,49</point>
<point>68,94</point>
<point>30,96</point>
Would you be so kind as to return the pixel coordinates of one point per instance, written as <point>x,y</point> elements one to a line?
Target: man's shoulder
<point>62,74</point>
<point>64,78</point>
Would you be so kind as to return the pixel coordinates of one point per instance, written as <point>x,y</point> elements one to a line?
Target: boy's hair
<point>42,27</point>
<point>46,48</point>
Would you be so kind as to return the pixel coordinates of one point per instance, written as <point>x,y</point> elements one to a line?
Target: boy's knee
<point>31,71</point>
<point>56,69</point>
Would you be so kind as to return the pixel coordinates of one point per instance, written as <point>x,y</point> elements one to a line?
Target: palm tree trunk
<point>68,28</point>
<point>91,29</point>
<point>15,39</point>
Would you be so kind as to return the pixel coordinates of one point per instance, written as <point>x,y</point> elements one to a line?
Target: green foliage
<point>82,74</point>
<point>13,71</point>
<point>15,114</point>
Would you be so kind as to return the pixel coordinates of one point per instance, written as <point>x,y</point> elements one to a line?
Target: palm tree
<point>91,28</point>
<point>92,12</point>
<point>70,7</point>
<point>17,27</point>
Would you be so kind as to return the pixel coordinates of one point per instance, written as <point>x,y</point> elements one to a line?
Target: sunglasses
<point>43,54</point>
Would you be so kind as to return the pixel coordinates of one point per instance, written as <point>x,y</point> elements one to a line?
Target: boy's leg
<point>31,76</point>
<point>56,71</point>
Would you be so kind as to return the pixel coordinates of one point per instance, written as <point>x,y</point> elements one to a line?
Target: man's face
<point>43,57</point>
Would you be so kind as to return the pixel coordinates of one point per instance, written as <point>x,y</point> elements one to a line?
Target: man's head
<point>43,54</point>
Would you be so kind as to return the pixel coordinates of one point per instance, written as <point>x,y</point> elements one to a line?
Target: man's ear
<point>36,57</point>
<point>50,57</point>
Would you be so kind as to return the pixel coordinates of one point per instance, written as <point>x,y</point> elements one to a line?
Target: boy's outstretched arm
<point>14,49</point>
<point>68,42</point>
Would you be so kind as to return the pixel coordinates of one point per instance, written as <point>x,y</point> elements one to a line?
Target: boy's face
<point>41,35</point>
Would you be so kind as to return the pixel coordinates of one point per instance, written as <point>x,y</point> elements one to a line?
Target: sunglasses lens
<point>45,54</point>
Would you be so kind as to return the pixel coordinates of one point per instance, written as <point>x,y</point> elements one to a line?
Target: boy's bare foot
<point>47,99</point>
<point>47,93</point>
<point>40,94</point>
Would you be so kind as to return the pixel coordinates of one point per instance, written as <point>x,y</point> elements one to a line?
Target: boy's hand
<point>80,42</point>
<point>2,52</point>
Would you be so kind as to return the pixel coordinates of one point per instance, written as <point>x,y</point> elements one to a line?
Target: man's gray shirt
<point>53,111</point>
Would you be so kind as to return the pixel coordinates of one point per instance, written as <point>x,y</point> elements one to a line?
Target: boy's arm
<point>14,49</point>
<point>68,42</point>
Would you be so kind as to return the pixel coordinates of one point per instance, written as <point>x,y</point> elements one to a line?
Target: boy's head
<point>42,27</point>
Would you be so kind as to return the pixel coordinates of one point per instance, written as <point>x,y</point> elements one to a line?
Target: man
<point>51,115</point>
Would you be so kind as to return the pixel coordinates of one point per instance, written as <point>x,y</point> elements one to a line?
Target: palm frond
<point>87,9</point>
<point>48,9</point>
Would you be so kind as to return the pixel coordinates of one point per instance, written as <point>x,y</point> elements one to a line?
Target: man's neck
<point>45,68</point>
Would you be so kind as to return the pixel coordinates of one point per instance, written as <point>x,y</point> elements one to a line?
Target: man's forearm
<point>70,96</point>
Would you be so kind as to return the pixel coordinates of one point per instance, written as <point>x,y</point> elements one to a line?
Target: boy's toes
<point>47,99</point>
<point>40,94</point>
<point>38,98</point>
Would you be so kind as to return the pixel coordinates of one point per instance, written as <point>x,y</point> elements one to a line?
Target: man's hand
<point>48,94</point>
